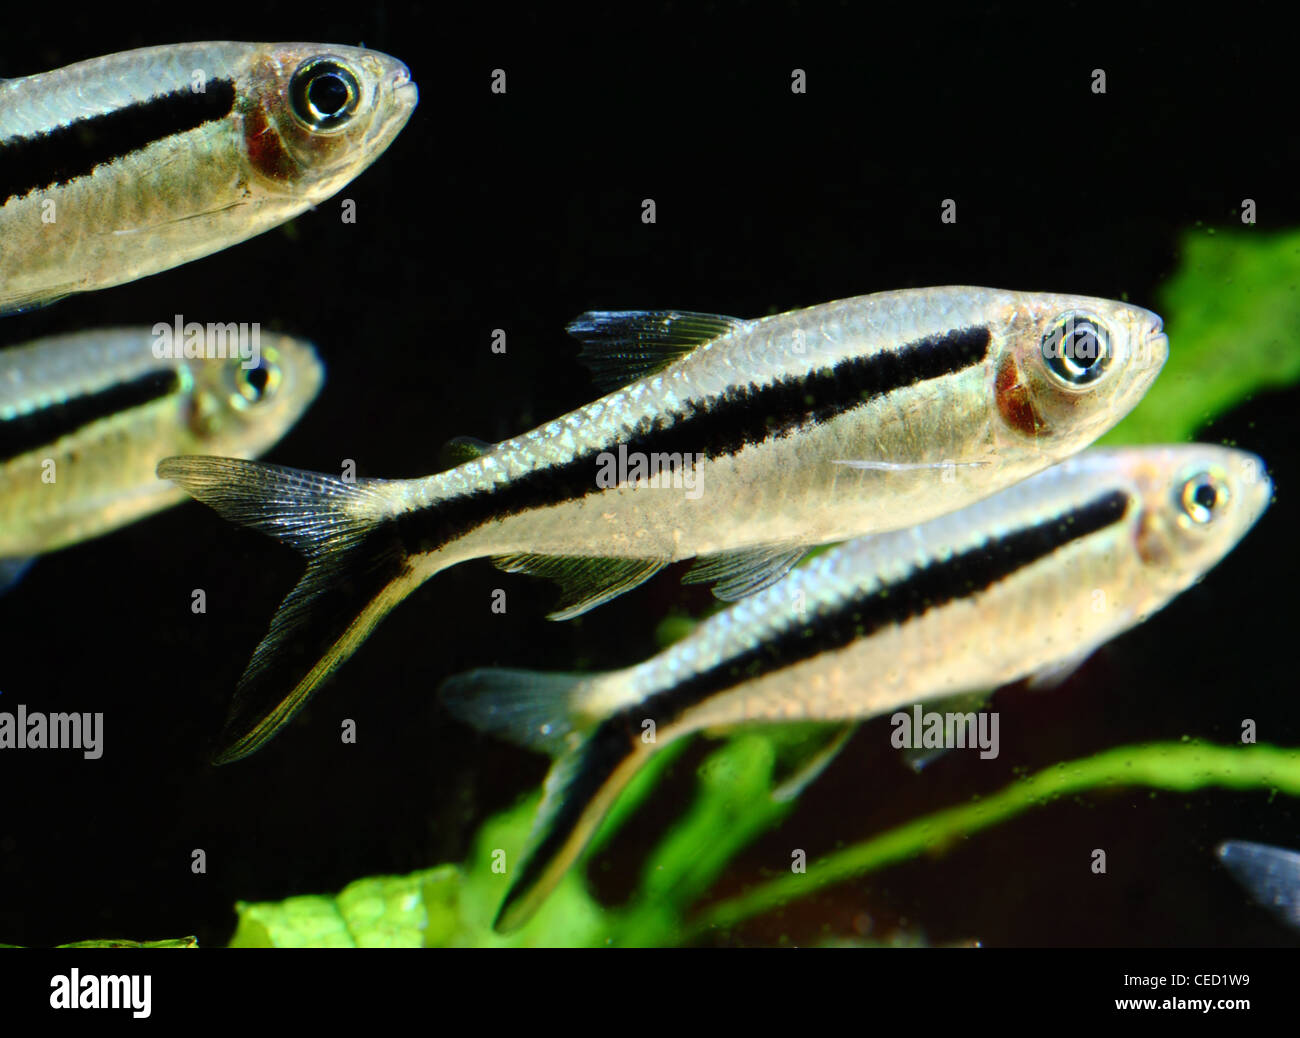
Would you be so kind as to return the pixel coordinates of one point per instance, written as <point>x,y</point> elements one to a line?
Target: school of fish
<point>941,433</point>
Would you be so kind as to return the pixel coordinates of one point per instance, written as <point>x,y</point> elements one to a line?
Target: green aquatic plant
<point>1175,767</point>
<point>1231,311</point>
<point>114,942</point>
<point>453,905</point>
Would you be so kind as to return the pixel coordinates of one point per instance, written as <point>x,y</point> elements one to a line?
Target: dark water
<point>519,212</point>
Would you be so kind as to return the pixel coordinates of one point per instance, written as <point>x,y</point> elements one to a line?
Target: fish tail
<point>594,760</point>
<point>357,570</point>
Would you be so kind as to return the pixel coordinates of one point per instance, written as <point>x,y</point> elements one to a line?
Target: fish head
<point>1068,368</point>
<point>240,405</point>
<point>1195,502</point>
<point>315,116</point>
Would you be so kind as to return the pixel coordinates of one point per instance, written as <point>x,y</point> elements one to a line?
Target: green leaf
<point>117,942</point>
<point>379,912</point>
<point>1231,312</point>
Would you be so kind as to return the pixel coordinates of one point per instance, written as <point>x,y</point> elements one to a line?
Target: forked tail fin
<point>357,570</point>
<point>594,761</point>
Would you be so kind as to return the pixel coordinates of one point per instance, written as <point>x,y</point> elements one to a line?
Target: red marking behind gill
<point>266,152</point>
<point>1014,403</point>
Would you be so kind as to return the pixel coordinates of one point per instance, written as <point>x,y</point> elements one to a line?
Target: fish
<point>1026,582</point>
<point>1271,874</point>
<point>122,166</point>
<point>724,442</point>
<point>85,419</point>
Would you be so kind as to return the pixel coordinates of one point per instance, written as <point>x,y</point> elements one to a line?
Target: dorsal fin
<point>621,346</point>
<point>584,582</point>
<point>735,574</point>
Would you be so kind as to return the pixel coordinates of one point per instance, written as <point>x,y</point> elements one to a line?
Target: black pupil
<point>1206,496</point>
<point>257,378</point>
<point>328,93</point>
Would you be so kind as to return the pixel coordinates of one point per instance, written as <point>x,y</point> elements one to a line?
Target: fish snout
<point>1153,346</point>
<point>401,84</point>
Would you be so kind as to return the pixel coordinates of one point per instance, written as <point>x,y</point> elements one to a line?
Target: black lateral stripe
<point>926,588</point>
<point>743,416</point>
<point>923,589</point>
<point>42,427</point>
<point>64,153</point>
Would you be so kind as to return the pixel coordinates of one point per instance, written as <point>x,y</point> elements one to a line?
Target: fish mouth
<point>403,88</point>
<point>1259,495</point>
<point>398,96</point>
<point>1154,346</point>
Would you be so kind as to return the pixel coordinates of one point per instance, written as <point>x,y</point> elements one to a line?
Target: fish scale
<point>78,447</point>
<point>770,416</point>
<point>117,167</point>
<point>1026,582</point>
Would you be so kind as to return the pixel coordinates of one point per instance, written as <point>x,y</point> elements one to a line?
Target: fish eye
<point>1077,349</point>
<point>324,94</point>
<point>256,384</point>
<point>1202,497</point>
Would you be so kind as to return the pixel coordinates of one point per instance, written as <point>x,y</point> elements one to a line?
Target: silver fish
<point>119,167</point>
<point>1026,582</point>
<point>728,444</point>
<point>85,418</point>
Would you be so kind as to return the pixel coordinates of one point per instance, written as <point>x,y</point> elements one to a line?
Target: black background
<point>521,211</point>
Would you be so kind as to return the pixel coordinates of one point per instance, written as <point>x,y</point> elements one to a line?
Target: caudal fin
<point>357,570</point>
<point>594,760</point>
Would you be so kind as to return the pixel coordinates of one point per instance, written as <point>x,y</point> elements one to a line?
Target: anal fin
<point>736,574</point>
<point>35,301</point>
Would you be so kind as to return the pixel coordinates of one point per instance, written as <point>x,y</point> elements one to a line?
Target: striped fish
<point>1027,582</point>
<point>85,418</point>
<point>119,167</point>
<point>765,436</point>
